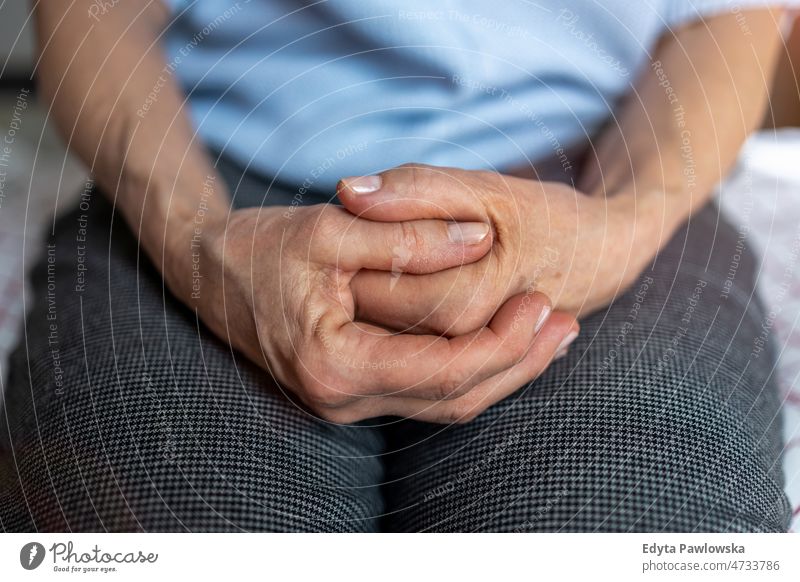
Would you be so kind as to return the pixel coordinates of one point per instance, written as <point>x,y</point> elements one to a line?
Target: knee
<point>138,452</point>
<point>680,456</point>
<point>618,455</point>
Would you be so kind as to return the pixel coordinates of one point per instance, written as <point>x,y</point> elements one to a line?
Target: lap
<point>124,413</point>
<point>663,416</point>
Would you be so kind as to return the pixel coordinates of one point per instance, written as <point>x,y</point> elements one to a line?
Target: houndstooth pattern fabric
<point>663,417</point>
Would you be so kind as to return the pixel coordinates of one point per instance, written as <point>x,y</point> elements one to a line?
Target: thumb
<point>415,191</point>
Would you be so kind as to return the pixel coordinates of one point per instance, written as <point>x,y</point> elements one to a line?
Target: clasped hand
<point>433,293</point>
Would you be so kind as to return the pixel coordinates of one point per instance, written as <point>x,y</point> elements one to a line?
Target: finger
<point>415,191</point>
<point>451,302</point>
<point>436,368</point>
<point>418,246</point>
<point>560,328</point>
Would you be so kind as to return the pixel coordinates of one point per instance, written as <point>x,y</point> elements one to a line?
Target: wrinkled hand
<point>276,285</point>
<point>548,237</point>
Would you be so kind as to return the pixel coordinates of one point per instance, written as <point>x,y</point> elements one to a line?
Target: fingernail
<point>542,318</point>
<point>364,184</point>
<point>469,233</point>
<point>562,347</point>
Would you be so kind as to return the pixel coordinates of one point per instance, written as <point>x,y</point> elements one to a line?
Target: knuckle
<point>323,229</point>
<point>410,240</point>
<point>328,224</point>
<point>460,411</point>
<point>302,237</point>
<point>468,312</point>
<point>457,320</point>
<point>452,385</point>
<point>319,395</point>
<point>483,301</point>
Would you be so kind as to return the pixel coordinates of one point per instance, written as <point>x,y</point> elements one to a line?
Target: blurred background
<point>38,177</point>
<point>28,198</point>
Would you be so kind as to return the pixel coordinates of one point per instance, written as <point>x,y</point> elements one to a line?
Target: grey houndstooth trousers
<point>663,417</point>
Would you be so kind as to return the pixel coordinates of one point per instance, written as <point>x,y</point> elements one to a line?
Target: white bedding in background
<point>762,196</point>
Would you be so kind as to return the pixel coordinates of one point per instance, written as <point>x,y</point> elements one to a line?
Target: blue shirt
<point>311,92</point>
